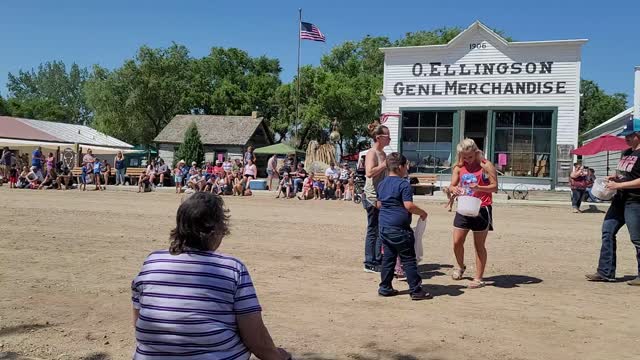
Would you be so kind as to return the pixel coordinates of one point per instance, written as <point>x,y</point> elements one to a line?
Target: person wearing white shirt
<point>332,172</point>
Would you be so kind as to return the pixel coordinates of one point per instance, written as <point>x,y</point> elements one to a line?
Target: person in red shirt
<point>472,162</point>
<point>218,170</point>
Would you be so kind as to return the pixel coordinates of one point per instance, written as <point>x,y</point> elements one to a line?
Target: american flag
<point>308,31</point>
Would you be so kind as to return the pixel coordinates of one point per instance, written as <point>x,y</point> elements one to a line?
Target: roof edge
<point>616,117</point>
<point>502,40</point>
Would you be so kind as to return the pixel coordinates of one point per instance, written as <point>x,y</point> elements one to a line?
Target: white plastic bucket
<point>600,191</point>
<point>468,206</point>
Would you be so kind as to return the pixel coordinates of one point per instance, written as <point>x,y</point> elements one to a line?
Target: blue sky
<point>107,32</point>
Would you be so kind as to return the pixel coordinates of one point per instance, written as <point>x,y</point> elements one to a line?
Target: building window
<point>427,140</point>
<point>523,142</point>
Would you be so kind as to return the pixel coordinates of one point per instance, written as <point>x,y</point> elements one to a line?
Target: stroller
<point>358,190</point>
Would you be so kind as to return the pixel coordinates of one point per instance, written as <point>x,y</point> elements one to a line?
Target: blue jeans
<point>619,214</point>
<point>372,245</point>
<point>297,183</point>
<point>576,197</point>
<point>398,242</point>
<point>120,176</point>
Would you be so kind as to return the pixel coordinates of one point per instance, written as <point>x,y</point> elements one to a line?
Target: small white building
<point>518,100</point>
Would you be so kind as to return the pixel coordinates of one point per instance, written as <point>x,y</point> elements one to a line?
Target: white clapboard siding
<point>598,163</point>
<point>399,63</point>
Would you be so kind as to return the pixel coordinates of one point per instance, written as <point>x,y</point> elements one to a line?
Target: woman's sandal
<point>476,284</point>
<point>457,273</point>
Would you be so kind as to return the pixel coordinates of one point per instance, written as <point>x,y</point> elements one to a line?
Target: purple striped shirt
<point>188,306</point>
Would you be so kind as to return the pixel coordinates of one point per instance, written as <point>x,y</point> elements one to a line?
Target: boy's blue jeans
<point>620,213</point>
<point>398,242</point>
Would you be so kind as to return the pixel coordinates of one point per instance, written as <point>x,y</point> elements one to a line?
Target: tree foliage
<point>596,106</point>
<point>50,93</point>
<point>191,148</point>
<point>134,102</point>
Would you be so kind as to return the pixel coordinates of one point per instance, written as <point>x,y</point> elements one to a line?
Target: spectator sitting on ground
<point>208,170</point>
<point>34,177</point>
<point>64,179</point>
<point>163,170</point>
<point>285,186</point>
<point>228,310</point>
<point>197,181</point>
<point>299,176</point>
<point>227,165</point>
<point>23,182</point>
<point>241,185</point>
<point>50,179</point>
<point>332,172</point>
<point>318,189</point>
<point>218,170</point>
<point>237,165</point>
<point>307,188</point>
<point>250,171</point>
<point>330,189</point>
<point>144,183</point>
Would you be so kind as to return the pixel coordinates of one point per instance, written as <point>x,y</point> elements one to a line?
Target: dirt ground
<point>67,260</point>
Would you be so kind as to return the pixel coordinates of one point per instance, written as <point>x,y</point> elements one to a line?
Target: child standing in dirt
<point>13,177</point>
<point>395,201</point>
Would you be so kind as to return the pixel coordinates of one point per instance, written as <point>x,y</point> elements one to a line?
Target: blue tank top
<point>120,164</point>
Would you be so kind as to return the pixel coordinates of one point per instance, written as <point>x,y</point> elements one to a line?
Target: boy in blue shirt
<point>395,201</point>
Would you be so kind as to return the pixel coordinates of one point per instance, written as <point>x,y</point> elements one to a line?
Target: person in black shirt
<point>625,207</point>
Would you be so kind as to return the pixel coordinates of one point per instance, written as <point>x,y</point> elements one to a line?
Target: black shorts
<point>480,223</point>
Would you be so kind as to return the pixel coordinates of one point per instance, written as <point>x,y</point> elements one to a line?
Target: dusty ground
<point>67,259</point>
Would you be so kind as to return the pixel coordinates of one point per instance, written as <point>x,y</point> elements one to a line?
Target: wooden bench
<point>133,174</point>
<point>425,182</point>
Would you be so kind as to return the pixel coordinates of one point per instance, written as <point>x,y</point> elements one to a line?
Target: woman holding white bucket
<point>480,182</point>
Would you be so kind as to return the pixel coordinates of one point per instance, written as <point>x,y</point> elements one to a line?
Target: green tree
<point>136,101</point>
<point>4,107</point>
<point>191,148</point>
<point>50,93</point>
<point>596,106</point>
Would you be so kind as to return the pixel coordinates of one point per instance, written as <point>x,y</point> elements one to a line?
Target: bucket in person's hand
<point>468,206</point>
<point>599,190</point>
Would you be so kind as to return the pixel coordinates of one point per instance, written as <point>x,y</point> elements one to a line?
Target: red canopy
<point>601,144</point>
<point>351,157</point>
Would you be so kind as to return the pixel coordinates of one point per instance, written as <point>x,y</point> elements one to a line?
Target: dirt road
<point>67,260</point>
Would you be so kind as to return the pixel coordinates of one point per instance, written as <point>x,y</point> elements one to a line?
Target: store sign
<point>460,87</point>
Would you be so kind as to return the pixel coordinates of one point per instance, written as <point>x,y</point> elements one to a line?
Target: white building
<point>518,100</point>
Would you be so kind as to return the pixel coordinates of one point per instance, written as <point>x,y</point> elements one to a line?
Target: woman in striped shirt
<point>192,301</point>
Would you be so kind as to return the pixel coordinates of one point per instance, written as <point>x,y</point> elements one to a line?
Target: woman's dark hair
<point>201,223</point>
<point>50,154</point>
<point>376,129</point>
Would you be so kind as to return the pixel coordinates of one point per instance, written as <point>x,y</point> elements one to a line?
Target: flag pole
<point>298,77</point>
